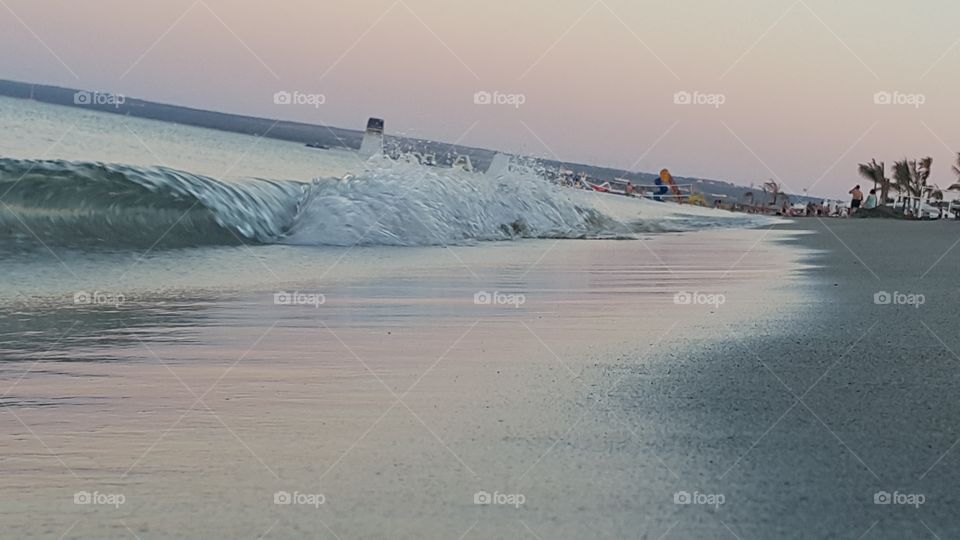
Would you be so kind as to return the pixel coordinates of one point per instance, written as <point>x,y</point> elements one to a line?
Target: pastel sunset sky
<point>797,78</point>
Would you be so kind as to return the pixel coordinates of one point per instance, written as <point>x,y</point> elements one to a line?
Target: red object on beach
<point>601,189</point>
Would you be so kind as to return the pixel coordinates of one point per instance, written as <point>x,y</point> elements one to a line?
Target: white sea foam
<point>387,203</point>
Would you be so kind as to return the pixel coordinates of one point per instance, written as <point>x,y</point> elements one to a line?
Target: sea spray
<point>390,202</point>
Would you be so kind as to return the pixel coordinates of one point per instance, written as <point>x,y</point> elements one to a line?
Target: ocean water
<point>117,181</point>
<point>197,328</point>
<point>89,189</point>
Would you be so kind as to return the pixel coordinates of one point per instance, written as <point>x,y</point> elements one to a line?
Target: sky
<point>736,90</point>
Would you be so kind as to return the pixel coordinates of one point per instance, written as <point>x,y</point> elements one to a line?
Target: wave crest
<point>66,203</point>
<point>390,203</point>
<point>398,203</point>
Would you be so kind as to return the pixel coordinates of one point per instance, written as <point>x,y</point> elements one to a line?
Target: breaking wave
<point>390,203</point>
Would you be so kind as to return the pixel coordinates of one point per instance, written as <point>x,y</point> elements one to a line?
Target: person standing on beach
<point>856,200</point>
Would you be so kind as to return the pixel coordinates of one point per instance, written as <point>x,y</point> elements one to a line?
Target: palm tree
<point>773,188</point>
<point>876,173</point>
<point>911,181</point>
<point>955,187</point>
<point>903,177</point>
<point>956,171</point>
<point>923,170</point>
<point>934,192</point>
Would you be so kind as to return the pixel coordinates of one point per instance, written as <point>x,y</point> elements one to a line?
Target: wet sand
<point>400,403</point>
<point>596,408</point>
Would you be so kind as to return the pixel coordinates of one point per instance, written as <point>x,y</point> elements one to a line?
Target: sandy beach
<point>802,425</point>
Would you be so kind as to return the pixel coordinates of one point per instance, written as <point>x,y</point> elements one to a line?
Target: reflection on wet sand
<point>398,398</point>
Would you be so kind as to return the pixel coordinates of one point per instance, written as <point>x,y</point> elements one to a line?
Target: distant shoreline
<point>234,123</point>
<point>302,133</point>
